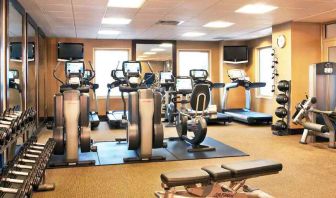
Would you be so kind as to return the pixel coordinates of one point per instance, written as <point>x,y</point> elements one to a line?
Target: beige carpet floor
<point>309,170</point>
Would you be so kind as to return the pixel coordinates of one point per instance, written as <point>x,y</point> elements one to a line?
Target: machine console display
<point>74,67</point>
<point>183,85</point>
<point>237,74</point>
<point>13,74</point>
<point>132,68</point>
<point>166,76</point>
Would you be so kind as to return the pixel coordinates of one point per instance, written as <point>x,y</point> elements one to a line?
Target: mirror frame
<point>30,21</point>
<point>174,51</point>
<point>17,6</point>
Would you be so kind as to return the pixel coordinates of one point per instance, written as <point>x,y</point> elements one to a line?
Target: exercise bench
<point>209,181</point>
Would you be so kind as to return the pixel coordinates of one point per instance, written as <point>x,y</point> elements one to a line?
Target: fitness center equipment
<point>14,84</point>
<point>192,120</point>
<point>167,88</point>
<point>144,128</point>
<point>239,78</point>
<point>311,128</point>
<point>200,76</point>
<point>210,180</point>
<point>322,78</point>
<point>115,118</point>
<point>88,76</point>
<point>71,114</point>
<point>281,127</point>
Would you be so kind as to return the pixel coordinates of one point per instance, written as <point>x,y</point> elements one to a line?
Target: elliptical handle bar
<point>93,71</point>
<point>54,73</point>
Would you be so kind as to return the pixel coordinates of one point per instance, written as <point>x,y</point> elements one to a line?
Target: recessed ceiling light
<point>116,21</point>
<point>218,24</point>
<point>258,8</point>
<point>109,32</point>
<point>157,50</point>
<point>166,45</point>
<point>125,3</point>
<point>193,34</point>
<point>150,53</point>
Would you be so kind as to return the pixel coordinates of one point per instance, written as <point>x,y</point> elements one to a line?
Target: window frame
<point>129,51</point>
<point>195,50</point>
<point>258,94</point>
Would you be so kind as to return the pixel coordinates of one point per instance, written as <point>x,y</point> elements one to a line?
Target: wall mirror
<point>15,74</point>
<point>42,67</point>
<point>160,55</point>
<point>31,67</point>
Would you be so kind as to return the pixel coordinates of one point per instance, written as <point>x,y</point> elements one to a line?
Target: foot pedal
<point>201,148</point>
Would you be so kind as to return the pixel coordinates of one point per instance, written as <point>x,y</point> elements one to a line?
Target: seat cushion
<point>185,177</point>
<point>254,167</point>
<point>218,173</point>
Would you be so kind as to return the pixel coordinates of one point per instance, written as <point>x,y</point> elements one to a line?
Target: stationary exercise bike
<point>144,128</point>
<point>192,120</point>
<point>72,125</point>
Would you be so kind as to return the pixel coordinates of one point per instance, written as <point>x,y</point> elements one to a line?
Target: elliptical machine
<point>144,128</point>
<point>167,88</point>
<point>192,121</point>
<point>71,114</point>
<point>94,118</point>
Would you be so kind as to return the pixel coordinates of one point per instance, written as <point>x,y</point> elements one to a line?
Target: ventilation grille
<point>175,23</point>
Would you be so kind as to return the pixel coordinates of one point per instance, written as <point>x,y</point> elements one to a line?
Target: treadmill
<point>115,118</point>
<point>200,76</point>
<point>93,115</point>
<point>245,115</point>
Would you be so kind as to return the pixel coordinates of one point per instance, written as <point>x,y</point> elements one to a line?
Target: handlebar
<point>54,73</point>
<point>93,71</point>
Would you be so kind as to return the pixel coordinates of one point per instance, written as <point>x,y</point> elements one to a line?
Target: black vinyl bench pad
<point>226,172</point>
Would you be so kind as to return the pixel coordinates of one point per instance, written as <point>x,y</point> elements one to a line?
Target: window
<point>265,71</point>
<point>105,61</point>
<point>193,60</point>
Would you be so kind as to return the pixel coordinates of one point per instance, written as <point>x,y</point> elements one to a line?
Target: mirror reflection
<point>159,56</point>
<point>42,67</point>
<point>15,74</point>
<point>31,80</point>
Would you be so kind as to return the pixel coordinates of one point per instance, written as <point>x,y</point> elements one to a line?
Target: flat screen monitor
<point>13,74</point>
<point>183,85</point>
<point>74,67</point>
<point>119,74</point>
<point>70,51</point>
<point>132,68</point>
<point>15,50</point>
<point>199,73</point>
<point>235,54</point>
<point>166,77</point>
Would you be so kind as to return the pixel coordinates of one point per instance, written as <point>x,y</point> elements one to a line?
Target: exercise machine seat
<point>185,177</point>
<point>217,173</point>
<point>253,168</point>
<point>200,92</point>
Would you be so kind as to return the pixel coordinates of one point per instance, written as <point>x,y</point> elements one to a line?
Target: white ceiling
<point>82,18</point>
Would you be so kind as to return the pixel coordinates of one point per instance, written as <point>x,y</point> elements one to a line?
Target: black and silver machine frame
<point>322,81</point>
<point>200,76</point>
<point>72,117</point>
<point>192,120</point>
<point>88,76</point>
<point>239,78</point>
<point>115,118</point>
<point>144,128</point>
<point>167,84</point>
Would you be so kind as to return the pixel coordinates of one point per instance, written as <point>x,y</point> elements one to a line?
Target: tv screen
<point>235,54</point>
<point>15,49</point>
<point>70,51</point>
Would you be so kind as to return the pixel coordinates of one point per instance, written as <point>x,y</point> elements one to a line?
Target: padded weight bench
<point>209,181</point>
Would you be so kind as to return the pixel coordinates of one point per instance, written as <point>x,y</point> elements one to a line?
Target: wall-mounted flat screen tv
<point>70,51</point>
<point>235,54</point>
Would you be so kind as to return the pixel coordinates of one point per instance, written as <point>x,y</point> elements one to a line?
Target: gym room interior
<point>168,98</point>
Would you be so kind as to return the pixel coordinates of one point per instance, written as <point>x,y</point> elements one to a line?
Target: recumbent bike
<point>191,120</point>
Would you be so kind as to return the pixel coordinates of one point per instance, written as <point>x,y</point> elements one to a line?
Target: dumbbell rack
<point>281,126</point>
<point>25,173</point>
<point>23,168</point>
